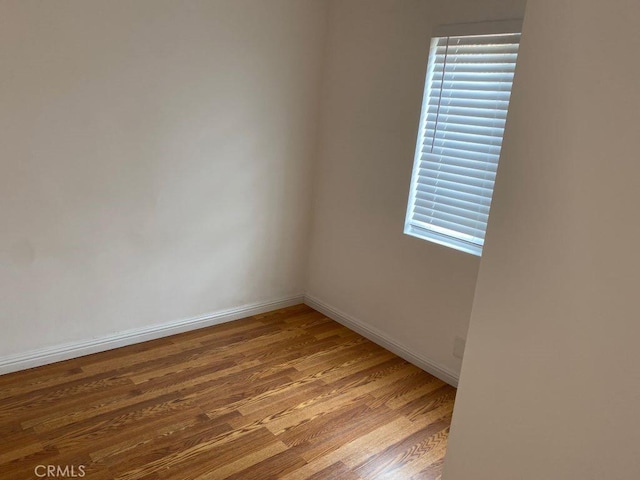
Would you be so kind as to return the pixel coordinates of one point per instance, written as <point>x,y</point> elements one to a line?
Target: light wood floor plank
<point>287,394</point>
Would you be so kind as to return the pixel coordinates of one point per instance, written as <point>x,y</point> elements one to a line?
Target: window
<point>467,90</point>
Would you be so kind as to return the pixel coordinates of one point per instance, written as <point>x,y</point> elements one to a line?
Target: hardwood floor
<point>289,394</point>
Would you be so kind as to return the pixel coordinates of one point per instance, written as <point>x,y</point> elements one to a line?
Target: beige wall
<point>550,385</point>
<point>154,160</point>
<point>415,293</point>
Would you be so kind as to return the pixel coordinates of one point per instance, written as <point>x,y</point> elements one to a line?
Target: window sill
<point>444,240</point>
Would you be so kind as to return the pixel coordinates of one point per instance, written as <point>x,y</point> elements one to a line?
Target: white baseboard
<point>44,356</point>
<point>382,339</point>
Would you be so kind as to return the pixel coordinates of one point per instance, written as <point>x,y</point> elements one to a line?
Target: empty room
<point>319,239</point>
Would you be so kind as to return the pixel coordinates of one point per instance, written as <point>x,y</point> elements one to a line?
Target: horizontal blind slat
<point>454,152</point>
<point>487,103</point>
<point>451,202</point>
<point>475,94</point>
<point>431,161</point>
<point>488,145</point>
<point>450,74</point>
<point>453,185</point>
<point>500,39</point>
<point>480,183</point>
<point>444,134</point>
<point>467,120</point>
<point>476,58</point>
<point>446,110</point>
<point>504,67</point>
<point>476,130</point>
<point>427,199</point>
<point>492,48</point>
<point>454,192</point>
<point>477,86</point>
<point>475,176</point>
<point>463,214</point>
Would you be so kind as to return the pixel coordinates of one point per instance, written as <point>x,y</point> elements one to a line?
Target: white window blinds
<point>467,94</point>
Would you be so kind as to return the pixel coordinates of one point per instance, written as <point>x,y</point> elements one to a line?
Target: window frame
<point>465,29</point>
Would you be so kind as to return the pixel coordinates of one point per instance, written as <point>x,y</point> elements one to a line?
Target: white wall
<point>550,385</point>
<point>154,160</point>
<point>415,293</point>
